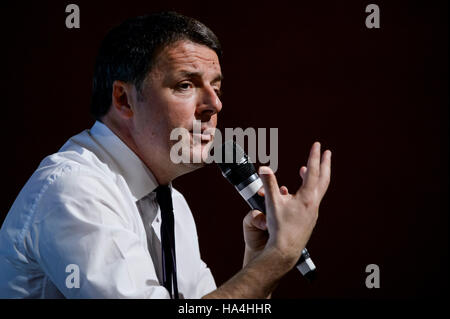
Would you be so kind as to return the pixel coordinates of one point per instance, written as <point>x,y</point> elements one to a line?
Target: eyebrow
<point>218,78</point>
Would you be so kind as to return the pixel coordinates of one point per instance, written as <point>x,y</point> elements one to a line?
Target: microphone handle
<point>305,265</point>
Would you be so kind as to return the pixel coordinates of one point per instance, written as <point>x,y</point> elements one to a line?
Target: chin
<point>193,166</point>
<point>198,151</point>
<point>185,168</point>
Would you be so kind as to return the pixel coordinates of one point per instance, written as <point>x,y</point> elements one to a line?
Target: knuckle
<point>314,171</point>
<point>326,179</point>
<point>308,201</point>
<point>309,198</point>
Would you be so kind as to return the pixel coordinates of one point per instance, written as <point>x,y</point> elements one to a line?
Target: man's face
<point>183,86</point>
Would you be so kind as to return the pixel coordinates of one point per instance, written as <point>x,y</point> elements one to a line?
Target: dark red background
<point>378,98</point>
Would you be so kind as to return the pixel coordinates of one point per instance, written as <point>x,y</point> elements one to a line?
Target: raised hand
<point>274,241</point>
<point>290,218</point>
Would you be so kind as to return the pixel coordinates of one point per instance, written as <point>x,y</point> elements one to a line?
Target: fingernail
<point>265,170</point>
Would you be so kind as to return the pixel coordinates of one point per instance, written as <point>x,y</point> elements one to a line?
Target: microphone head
<point>235,164</point>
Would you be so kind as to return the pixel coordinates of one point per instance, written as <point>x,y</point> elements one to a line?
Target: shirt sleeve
<point>79,233</point>
<point>206,283</point>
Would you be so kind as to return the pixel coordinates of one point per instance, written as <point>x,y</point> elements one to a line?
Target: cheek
<point>168,111</point>
<point>181,114</point>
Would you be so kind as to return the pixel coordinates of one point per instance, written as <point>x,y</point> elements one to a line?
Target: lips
<point>202,136</point>
<point>205,134</point>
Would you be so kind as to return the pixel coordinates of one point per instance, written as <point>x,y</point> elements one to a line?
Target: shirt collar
<point>137,175</point>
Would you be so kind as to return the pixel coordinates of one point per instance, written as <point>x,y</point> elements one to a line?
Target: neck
<point>162,168</point>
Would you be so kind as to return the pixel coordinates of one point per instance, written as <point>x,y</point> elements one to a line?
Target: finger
<point>313,167</point>
<point>255,219</point>
<point>303,172</point>
<point>259,220</point>
<point>283,191</point>
<point>271,189</point>
<point>261,191</point>
<point>325,170</point>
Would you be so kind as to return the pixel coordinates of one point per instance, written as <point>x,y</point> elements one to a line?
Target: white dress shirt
<point>90,207</point>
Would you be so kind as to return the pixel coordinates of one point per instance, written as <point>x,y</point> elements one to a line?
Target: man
<point>96,219</point>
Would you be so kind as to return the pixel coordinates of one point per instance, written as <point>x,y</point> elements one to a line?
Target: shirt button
<point>157,219</point>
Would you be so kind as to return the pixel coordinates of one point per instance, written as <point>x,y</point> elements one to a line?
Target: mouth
<point>203,137</point>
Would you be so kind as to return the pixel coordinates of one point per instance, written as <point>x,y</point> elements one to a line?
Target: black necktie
<point>169,264</point>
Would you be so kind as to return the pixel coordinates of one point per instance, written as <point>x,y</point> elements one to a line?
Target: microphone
<point>240,172</point>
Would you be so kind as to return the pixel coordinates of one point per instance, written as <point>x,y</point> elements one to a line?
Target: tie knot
<point>164,198</point>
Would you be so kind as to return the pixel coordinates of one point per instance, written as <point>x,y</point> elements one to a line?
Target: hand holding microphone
<point>290,218</point>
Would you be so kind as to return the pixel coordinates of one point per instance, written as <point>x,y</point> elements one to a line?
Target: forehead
<point>186,55</point>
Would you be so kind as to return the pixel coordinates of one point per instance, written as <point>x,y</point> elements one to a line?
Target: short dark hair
<point>128,51</point>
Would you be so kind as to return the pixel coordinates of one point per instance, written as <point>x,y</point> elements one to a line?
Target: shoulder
<point>69,176</point>
<point>70,172</point>
<point>59,181</point>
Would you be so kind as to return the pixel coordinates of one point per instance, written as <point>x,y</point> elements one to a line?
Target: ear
<point>123,98</point>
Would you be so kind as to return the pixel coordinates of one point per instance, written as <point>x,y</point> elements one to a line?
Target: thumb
<point>271,189</point>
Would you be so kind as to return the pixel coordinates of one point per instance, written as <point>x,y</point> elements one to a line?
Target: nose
<point>208,104</point>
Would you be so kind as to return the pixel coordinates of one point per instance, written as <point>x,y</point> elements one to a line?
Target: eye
<point>218,91</point>
<point>183,86</point>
